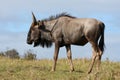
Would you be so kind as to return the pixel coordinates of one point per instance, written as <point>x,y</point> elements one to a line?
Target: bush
<point>29,55</point>
<point>2,54</point>
<point>13,54</point>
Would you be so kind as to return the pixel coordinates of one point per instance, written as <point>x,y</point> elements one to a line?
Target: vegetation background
<point>29,68</point>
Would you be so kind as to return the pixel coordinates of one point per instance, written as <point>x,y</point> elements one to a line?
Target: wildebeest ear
<point>34,19</point>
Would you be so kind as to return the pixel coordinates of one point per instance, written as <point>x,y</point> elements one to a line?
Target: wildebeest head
<point>34,32</point>
<point>36,36</point>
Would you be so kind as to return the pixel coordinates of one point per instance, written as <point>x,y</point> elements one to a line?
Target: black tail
<point>101,42</point>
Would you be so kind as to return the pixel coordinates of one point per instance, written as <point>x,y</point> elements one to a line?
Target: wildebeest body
<point>65,30</point>
<point>76,31</point>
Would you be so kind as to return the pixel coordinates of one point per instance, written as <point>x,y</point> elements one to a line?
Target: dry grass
<point>18,69</point>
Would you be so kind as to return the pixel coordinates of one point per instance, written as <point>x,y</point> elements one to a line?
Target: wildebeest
<point>66,30</point>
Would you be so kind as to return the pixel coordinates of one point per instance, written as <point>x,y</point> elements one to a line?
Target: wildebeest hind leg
<point>95,52</point>
<point>98,58</point>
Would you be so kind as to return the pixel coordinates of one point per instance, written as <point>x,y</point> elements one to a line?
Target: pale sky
<point>16,18</point>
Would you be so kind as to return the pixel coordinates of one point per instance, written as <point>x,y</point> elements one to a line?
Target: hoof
<point>72,70</point>
<point>52,70</point>
<point>89,72</point>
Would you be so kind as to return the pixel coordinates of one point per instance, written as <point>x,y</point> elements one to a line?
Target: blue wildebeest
<point>66,30</point>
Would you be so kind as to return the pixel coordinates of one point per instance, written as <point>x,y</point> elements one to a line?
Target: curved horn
<point>34,19</point>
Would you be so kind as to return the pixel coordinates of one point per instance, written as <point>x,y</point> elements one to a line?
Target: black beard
<point>43,43</point>
<point>36,43</point>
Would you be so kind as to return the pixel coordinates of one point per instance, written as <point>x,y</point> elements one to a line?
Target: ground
<point>19,69</point>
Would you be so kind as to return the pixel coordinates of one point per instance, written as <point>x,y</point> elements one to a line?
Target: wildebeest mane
<point>58,16</point>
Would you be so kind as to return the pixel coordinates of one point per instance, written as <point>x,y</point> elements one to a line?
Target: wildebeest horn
<point>34,19</point>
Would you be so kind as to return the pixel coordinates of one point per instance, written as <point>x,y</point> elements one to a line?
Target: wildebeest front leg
<point>69,55</point>
<point>55,56</point>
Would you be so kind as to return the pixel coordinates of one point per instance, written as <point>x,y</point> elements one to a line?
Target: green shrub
<point>13,54</point>
<point>29,55</point>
